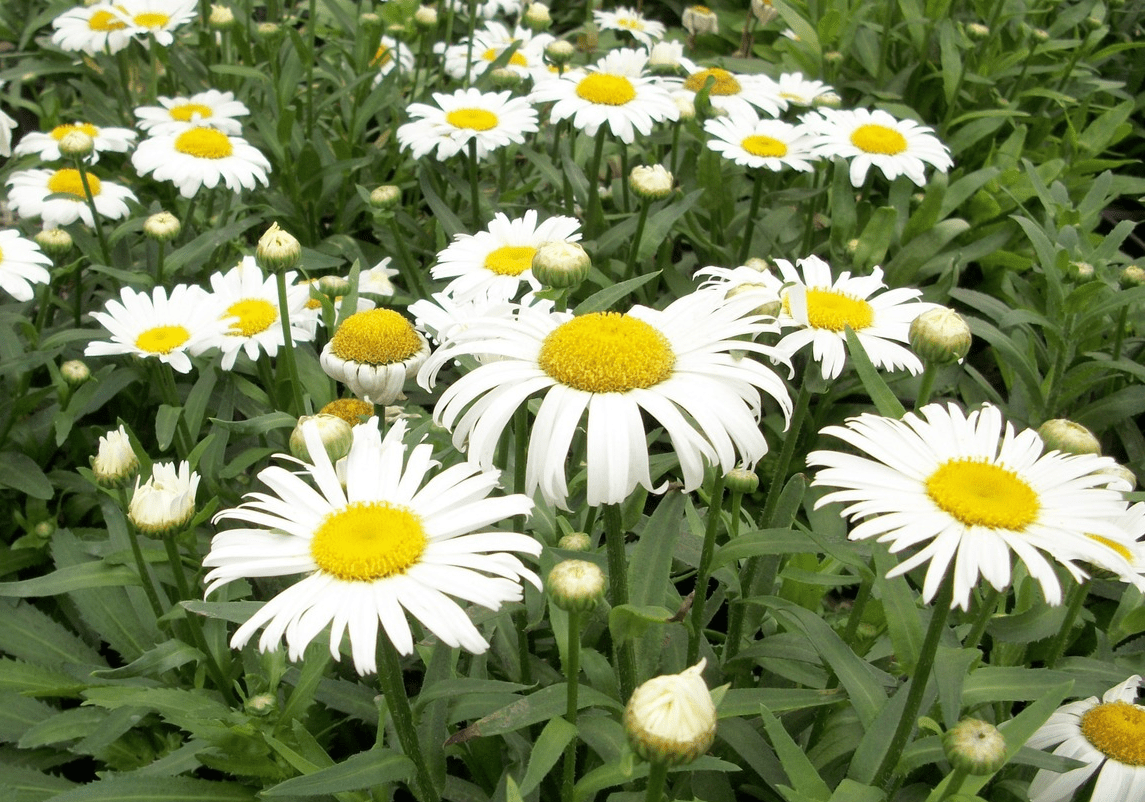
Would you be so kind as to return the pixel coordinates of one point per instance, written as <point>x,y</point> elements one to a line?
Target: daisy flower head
<point>629,20</point>
<point>390,55</point>
<point>57,196</point>
<point>1107,735</point>
<point>397,539</point>
<point>796,90</point>
<point>211,109</point>
<point>489,120</point>
<point>376,280</point>
<point>201,156</point>
<point>22,264</point>
<point>972,490</point>
<point>247,303</point>
<point>684,366</point>
<point>491,42</point>
<point>373,352</point>
<point>97,28</point>
<point>823,307</point>
<point>761,144</point>
<point>168,328</point>
<point>732,91</point>
<point>104,139</point>
<point>495,262</point>
<point>615,91</point>
<point>488,9</point>
<point>158,18</point>
<point>869,138</point>
<point>747,279</point>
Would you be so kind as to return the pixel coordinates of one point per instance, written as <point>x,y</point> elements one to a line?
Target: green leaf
<point>1008,684</point>
<point>166,422</point>
<point>18,714</point>
<point>33,680</point>
<point>602,300</point>
<point>19,472</point>
<point>258,425</point>
<point>884,400</point>
<point>850,791</point>
<point>745,701</point>
<point>68,725</point>
<point>74,577</point>
<point>900,609</point>
<point>627,621</point>
<point>22,784</point>
<point>545,704</point>
<point>145,789</point>
<point>546,751</point>
<point>363,770</point>
<point>876,237</point>
<point>658,227</point>
<point>166,656</point>
<point>763,541</point>
<point>803,776</point>
<point>28,634</point>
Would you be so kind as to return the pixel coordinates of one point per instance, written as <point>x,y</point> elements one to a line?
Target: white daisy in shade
<point>768,144</point>
<point>490,120</point>
<point>103,139</point>
<point>732,91</point>
<point>876,139</point>
<point>247,301</point>
<point>490,43</point>
<point>397,539</point>
<point>630,21</point>
<point>973,491</point>
<point>822,307</point>
<point>796,90</point>
<point>98,28</point>
<point>7,125</point>
<point>200,157</point>
<point>22,264</point>
<point>374,352</point>
<point>211,109</point>
<point>616,91</point>
<point>684,366</point>
<point>170,329</point>
<point>158,18</point>
<point>390,55</point>
<point>496,262</point>
<point>1108,736</point>
<point>57,196</point>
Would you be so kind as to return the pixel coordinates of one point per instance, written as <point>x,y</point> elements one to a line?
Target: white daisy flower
<point>387,544</point>
<point>487,9</point>
<point>376,280</point>
<point>799,91</point>
<point>22,264</point>
<point>158,18</point>
<point>876,139</point>
<point>165,503</point>
<point>527,59</point>
<point>390,55</point>
<point>104,139</point>
<point>199,157</point>
<point>98,28</point>
<point>247,302</point>
<point>495,262</point>
<point>630,21</point>
<point>731,91</point>
<point>7,126</point>
<point>1108,736</point>
<point>684,366</point>
<point>973,491</point>
<point>210,109</point>
<point>615,91</point>
<point>491,120</point>
<point>443,315</point>
<point>761,144</point>
<point>171,329</point>
<point>744,280</point>
<point>31,191</point>
<point>374,352</point>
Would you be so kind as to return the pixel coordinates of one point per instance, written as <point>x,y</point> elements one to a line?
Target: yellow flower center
<point>1113,545</point>
<point>204,143</point>
<point>871,138</point>
<point>60,131</point>
<point>834,311</point>
<point>473,119</point>
<point>103,20</point>
<point>510,260</point>
<point>516,59</point>
<point>701,9</point>
<point>255,315</point>
<point>765,146</point>
<point>185,112</point>
<point>151,19</point>
<point>607,352</point>
<point>368,540</point>
<point>1117,729</point>
<point>375,337</point>
<point>979,493</point>
<point>724,84</point>
<point>606,89</point>
<point>381,56</point>
<point>68,181</point>
<point>162,339</point>
<point>630,23</point>
<point>351,410</point>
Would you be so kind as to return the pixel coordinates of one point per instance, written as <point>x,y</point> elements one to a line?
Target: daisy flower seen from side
<point>104,139</point>
<point>796,90</point>
<point>684,366</point>
<point>616,91</point>
<point>496,262</point>
<point>730,92</point>
<point>768,144</point>
<point>489,120</point>
<point>98,28</point>
<point>491,42</point>
<point>1108,736</point>
<point>630,21</point>
<point>390,55</point>
<point>211,109</point>
<point>170,329</point>
<point>201,156</point>
<point>32,190</point>
<point>374,352</point>
<point>22,264</point>
<point>397,539</point>
<point>973,491</point>
<point>869,138</point>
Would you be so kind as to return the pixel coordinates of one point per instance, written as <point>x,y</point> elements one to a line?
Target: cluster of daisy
<point>108,27</point>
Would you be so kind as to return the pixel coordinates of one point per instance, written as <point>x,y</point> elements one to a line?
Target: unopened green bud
<point>333,286</point>
<point>1081,272</point>
<point>671,718</point>
<point>261,705</point>
<point>576,585</point>
<point>829,100</point>
<point>1068,437</point>
<point>561,265</point>
<point>741,480</point>
<point>575,541</point>
<point>221,17</point>
<point>334,432</point>
<point>277,250</point>
<point>386,196</point>
<point>75,372</point>
<point>560,52</point>
<point>268,32</point>
<point>425,18</point>
<point>76,144</point>
<point>162,226</point>
<point>975,747</point>
<point>1131,276</point>
<point>940,336</point>
<point>55,242</point>
<point>652,182</point>
<point>537,17</point>
<point>504,78</point>
<point>977,31</point>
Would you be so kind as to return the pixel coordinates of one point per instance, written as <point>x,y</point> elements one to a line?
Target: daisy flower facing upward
<point>489,120</point>
<point>97,28</point>
<point>973,491</point>
<point>876,139</point>
<point>22,264</point>
<point>388,544</point>
<point>32,191</point>
<point>212,108</point>
<point>47,146</point>
<point>201,156</point>
<point>629,20</point>
<point>1108,736</point>
<point>374,352</point>
<point>772,144</point>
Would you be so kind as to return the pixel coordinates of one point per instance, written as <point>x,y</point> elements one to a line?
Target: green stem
<point>474,187</point>
<point>926,384</point>
<point>145,577</point>
<point>97,223</point>
<point>985,612</point>
<point>634,246</point>
<point>520,455</point>
<point>1077,596</point>
<point>593,211</point>
<point>288,345</point>
<point>703,573</point>
<point>798,415</point>
<point>657,781</point>
<point>159,259</point>
<point>855,616</point>
<point>752,211</point>
<point>393,687</point>
<point>572,678</point>
<point>618,592</point>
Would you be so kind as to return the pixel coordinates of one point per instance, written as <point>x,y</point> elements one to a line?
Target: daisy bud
<point>685,105</point>
<point>166,502</point>
<point>560,52</point>
<point>268,32</point>
<point>370,21</point>
<point>386,196</point>
<point>1040,35</point>
<point>44,530</point>
<point>652,182</point>
<point>55,242</point>
<point>940,336</point>
<point>576,585</point>
<point>277,250</point>
<point>537,17</point>
<point>575,541</point>
<point>1131,276</point>
<point>830,100</point>
<point>425,18</point>
<point>335,433</point>
<point>1081,272</point>
<point>396,29</point>
<point>852,246</point>
<point>162,227</point>
<point>1093,22</point>
<point>758,264</point>
<point>561,265</point>
<point>505,78</point>
<point>1122,474</point>
<point>975,747</point>
<point>664,58</point>
<point>741,480</point>
<point>221,17</point>
<point>1068,437</point>
<point>977,31</point>
<point>76,144</point>
<point>75,372</point>
<point>833,57</point>
<point>333,286</point>
<point>115,462</point>
<point>351,410</point>
<point>764,11</point>
<point>671,718</point>
<point>261,705</point>
<point>374,352</point>
<point>699,19</point>
<point>767,308</point>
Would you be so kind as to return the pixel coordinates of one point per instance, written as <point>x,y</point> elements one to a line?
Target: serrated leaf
<point>28,634</point>
<point>67,725</point>
<point>38,681</point>
<point>23,784</point>
<point>20,713</point>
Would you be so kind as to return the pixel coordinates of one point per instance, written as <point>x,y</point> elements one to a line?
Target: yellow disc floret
<point>979,493</point>
<point>60,131</point>
<point>834,311</point>
<point>724,83</point>
<point>376,337</point>
<point>151,19</point>
<point>606,352</point>
<point>871,138</point>
<point>517,60</point>
<point>764,146</point>
<point>606,89</point>
<point>368,540</point>
<point>510,260</point>
<point>1117,729</point>
<point>68,182</point>
<point>185,112</point>
<point>351,410</point>
<point>473,119</point>
<point>162,339</point>
<point>255,315</point>
<point>204,143</point>
<point>103,20</point>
